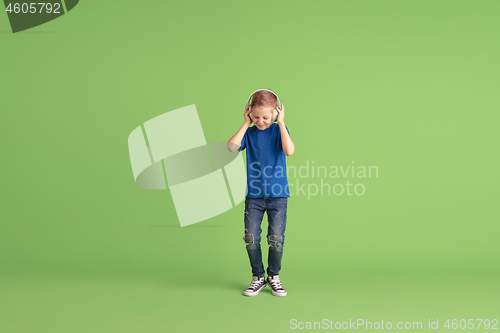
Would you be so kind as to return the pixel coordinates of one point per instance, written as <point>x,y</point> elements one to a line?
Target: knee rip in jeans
<point>274,241</point>
<point>248,238</point>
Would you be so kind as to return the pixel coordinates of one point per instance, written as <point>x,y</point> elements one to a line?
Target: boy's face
<point>262,116</point>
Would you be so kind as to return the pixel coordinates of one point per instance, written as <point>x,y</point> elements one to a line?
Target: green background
<point>408,86</point>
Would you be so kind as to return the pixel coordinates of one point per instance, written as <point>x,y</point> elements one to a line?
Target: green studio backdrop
<point>409,88</point>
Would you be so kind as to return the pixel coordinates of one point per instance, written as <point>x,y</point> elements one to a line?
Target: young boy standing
<point>267,145</point>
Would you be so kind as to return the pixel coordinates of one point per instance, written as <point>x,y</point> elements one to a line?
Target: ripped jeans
<point>276,215</point>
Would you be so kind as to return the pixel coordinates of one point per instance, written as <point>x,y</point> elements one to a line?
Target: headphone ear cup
<point>275,115</point>
<point>250,115</point>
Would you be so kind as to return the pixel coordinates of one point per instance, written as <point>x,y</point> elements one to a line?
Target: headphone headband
<point>277,98</point>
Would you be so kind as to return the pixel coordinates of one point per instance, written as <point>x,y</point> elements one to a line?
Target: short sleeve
<point>243,142</point>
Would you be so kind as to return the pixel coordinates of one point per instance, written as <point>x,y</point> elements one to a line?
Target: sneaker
<point>275,284</point>
<point>255,287</point>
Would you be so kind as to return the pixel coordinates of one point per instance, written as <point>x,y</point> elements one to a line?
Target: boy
<point>267,144</point>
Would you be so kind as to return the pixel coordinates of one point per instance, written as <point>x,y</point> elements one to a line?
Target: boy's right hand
<point>248,120</point>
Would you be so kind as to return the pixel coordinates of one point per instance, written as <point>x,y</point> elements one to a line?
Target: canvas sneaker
<point>255,287</point>
<point>275,284</point>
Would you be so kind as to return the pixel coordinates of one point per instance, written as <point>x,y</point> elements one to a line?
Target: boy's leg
<point>254,212</point>
<point>276,214</point>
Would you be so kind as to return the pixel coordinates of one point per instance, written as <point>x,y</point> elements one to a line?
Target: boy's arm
<point>286,142</point>
<point>235,142</point>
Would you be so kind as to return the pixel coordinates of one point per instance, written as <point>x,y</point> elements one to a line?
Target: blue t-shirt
<point>266,163</point>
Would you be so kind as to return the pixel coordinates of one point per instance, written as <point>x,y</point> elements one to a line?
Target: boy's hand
<point>281,115</point>
<point>248,120</point>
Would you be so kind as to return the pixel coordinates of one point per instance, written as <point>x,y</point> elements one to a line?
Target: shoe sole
<point>279,294</point>
<point>255,293</point>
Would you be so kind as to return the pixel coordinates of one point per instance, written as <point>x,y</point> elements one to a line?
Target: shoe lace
<point>255,283</point>
<point>276,284</point>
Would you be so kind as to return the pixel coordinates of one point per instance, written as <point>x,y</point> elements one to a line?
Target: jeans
<point>276,215</point>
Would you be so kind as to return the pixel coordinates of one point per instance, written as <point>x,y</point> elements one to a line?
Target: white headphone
<point>275,113</point>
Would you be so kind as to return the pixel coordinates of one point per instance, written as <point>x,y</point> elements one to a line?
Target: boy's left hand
<point>281,115</point>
